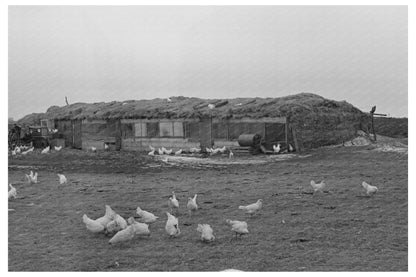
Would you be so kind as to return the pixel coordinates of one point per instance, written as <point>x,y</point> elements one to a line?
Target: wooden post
<point>286,136</point>
<point>295,140</point>
<point>372,124</point>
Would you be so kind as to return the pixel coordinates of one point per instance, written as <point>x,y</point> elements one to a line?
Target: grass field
<point>339,230</point>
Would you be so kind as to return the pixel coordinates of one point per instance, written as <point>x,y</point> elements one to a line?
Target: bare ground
<point>339,230</point>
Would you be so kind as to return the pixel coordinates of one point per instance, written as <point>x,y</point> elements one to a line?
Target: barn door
<point>205,132</point>
<point>275,133</point>
<point>76,134</point>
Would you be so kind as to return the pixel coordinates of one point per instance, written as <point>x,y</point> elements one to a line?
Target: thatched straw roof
<point>185,107</point>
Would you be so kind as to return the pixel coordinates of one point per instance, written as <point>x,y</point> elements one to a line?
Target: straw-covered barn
<point>304,120</point>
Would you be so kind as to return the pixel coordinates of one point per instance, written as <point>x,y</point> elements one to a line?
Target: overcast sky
<point>95,54</point>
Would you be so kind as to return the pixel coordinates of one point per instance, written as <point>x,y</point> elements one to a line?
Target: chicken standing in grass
<point>207,234</point>
<point>192,205</point>
<point>168,152</point>
<point>178,152</point>
<point>252,208</point>
<point>112,227</point>
<point>118,223</point>
<point>318,187</point>
<point>108,216</point>
<point>231,154</point>
<point>12,192</point>
<point>93,149</point>
<point>151,153</point>
<point>146,216</point>
<point>140,229</point>
<point>57,148</point>
<point>370,190</point>
<point>276,148</point>
<point>222,150</point>
<point>32,178</point>
<point>92,225</point>
<point>238,227</point>
<point>173,202</point>
<point>160,151</point>
<point>123,235</point>
<point>46,150</point>
<point>172,226</point>
<point>62,179</point>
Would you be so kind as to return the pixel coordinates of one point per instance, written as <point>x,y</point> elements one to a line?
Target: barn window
<point>166,129</point>
<point>178,129</point>
<point>140,130</point>
<point>127,130</point>
<point>152,129</point>
<point>192,131</point>
<point>220,130</point>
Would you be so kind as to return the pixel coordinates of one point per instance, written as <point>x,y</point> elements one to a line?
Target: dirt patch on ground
<point>339,230</point>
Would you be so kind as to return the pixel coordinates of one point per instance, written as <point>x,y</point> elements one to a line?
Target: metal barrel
<point>249,140</point>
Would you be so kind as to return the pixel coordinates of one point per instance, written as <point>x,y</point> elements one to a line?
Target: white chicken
<point>223,149</point>
<point>178,152</point>
<point>12,192</point>
<point>173,202</point>
<point>93,149</point>
<point>231,154</point>
<point>146,216</point>
<point>290,148</point>
<point>140,229</point>
<point>192,205</point>
<point>195,150</point>
<point>252,208</point>
<point>58,148</point>
<point>112,227</point>
<point>215,151</point>
<point>318,187</point>
<point>32,178</point>
<point>120,221</point>
<point>108,216</point>
<point>46,150</point>
<point>276,148</point>
<point>207,234</point>
<point>123,235</point>
<point>106,146</point>
<point>160,151</point>
<point>168,152</point>
<point>172,226</point>
<point>370,190</point>
<point>151,153</point>
<point>239,227</point>
<point>92,225</point>
<point>62,179</point>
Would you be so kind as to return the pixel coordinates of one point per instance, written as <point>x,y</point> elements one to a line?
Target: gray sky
<point>95,54</point>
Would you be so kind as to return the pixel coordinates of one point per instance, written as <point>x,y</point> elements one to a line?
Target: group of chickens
<point>369,189</point>
<point>24,150</point>
<point>32,178</point>
<point>211,151</point>
<point>114,224</point>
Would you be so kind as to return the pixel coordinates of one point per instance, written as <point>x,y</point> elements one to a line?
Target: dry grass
<point>185,107</point>
<point>339,230</point>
